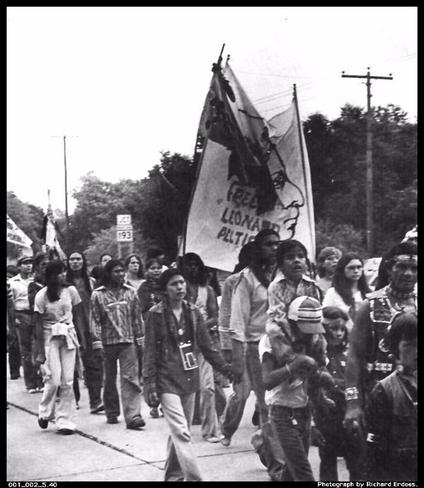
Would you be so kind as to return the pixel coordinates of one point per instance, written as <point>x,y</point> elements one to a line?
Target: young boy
<point>332,439</point>
<point>391,413</point>
<point>292,378</point>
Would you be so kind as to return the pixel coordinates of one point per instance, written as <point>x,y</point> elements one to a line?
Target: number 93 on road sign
<point>124,235</point>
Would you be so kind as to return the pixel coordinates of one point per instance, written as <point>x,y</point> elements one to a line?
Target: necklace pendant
<point>180,332</point>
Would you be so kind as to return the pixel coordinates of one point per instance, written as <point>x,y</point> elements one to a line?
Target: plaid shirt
<point>281,292</point>
<point>116,319</point>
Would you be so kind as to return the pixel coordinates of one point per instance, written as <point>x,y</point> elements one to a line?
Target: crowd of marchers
<point>331,355</point>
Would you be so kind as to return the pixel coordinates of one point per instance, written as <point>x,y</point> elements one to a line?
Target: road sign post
<point>124,231</point>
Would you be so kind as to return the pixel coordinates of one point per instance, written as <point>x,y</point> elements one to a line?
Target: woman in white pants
<point>175,334</point>
<point>56,315</point>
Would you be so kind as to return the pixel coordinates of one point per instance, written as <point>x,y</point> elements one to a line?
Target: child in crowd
<point>329,433</point>
<point>391,413</point>
<point>293,380</point>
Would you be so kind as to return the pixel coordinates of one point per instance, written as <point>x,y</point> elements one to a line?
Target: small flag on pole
<point>49,233</point>
<point>16,236</point>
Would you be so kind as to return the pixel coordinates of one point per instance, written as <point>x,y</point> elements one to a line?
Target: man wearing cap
<point>368,360</point>
<point>290,369</point>
<point>23,320</point>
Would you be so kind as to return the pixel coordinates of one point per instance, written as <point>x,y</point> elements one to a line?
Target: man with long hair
<point>369,361</point>
<point>77,275</point>
<point>248,319</point>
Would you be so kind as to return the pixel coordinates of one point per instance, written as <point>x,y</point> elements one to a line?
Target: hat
<point>24,258</point>
<point>307,313</point>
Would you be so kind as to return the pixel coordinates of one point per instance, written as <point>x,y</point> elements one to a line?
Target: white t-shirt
<point>59,311</point>
<point>288,394</point>
<point>333,299</point>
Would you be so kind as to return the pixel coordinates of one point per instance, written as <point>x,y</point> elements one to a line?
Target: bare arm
<point>273,377</point>
<point>39,338</point>
<point>212,310</point>
<point>360,337</point>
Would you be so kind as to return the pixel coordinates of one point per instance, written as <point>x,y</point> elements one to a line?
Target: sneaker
<point>213,439</point>
<point>65,431</point>
<point>40,389</point>
<point>112,420</point>
<point>100,408</point>
<point>226,441</point>
<point>32,390</point>
<point>154,413</point>
<point>136,423</point>
<point>43,423</point>
<point>77,405</point>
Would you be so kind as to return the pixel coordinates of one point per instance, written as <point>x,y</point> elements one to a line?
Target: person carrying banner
<point>92,360</point>
<point>175,335</point>
<point>23,319</point>
<point>248,318</point>
<point>117,325</point>
<point>203,296</point>
<point>368,358</point>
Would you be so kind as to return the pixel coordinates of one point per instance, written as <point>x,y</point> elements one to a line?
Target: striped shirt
<point>116,319</point>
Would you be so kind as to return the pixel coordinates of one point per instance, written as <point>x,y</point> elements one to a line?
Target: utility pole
<point>66,180</point>
<point>66,186</point>
<point>369,173</point>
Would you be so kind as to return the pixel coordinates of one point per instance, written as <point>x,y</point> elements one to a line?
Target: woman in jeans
<point>57,313</point>
<point>175,335</point>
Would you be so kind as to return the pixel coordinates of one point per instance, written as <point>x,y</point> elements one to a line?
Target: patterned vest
<point>380,363</point>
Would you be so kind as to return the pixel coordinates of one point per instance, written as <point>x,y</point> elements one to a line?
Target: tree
<point>337,157</point>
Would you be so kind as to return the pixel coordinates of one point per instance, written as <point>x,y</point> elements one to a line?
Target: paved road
<point>103,452</point>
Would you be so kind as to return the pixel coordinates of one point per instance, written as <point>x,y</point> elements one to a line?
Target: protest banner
<point>252,175</point>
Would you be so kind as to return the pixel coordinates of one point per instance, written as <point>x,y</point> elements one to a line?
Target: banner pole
<point>302,155</point>
<point>199,164</point>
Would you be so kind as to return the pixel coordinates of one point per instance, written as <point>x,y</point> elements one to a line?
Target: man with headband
<point>369,361</point>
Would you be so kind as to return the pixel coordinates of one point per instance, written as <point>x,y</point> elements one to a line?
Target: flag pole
<point>302,155</point>
<point>215,67</point>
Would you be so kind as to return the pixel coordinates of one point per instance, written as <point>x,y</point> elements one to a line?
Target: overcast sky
<point>124,84</point>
